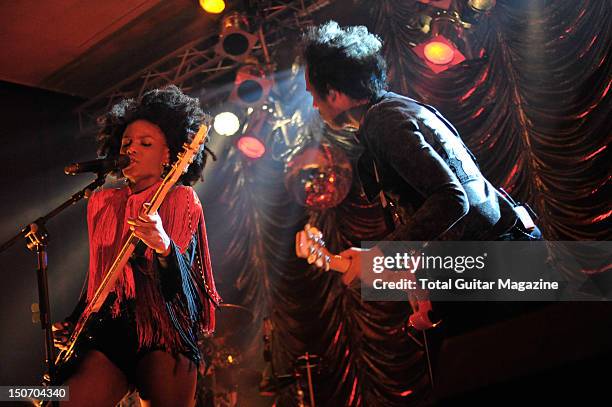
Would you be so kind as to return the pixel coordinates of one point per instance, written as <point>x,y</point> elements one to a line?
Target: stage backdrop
<point>532,101</point>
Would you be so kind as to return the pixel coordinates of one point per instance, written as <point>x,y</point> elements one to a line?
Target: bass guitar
<point>67,355</point>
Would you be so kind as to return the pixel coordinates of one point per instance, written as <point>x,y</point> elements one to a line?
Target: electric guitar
<point>309,245</point>
<point>185,157</point>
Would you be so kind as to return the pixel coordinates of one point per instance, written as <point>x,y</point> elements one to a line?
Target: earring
<point>165,168</point>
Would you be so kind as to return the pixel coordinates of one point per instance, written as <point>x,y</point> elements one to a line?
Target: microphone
<point>102,165</point>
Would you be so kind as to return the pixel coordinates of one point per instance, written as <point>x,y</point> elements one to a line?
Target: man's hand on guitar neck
<point>309,244</point>
<point>354,255</point>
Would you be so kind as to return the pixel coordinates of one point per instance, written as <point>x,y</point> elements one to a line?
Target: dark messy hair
<point>346,59</point>
<point>177,115</point>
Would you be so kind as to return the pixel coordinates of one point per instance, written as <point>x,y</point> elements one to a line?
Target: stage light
<point>481,6</point>
<point>251,147</point>
<point>439,53</point>
<point>251,86</point>
<point>212,6</point>
<point>235,40</point>
<point>226,123</point>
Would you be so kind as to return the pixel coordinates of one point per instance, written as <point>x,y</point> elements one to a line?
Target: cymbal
<point>307,359</point>
<point>232,319</point>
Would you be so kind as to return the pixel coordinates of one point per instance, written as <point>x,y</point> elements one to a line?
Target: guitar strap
<point>392,218</point>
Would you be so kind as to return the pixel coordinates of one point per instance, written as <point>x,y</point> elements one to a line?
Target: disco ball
<point>319,177</point>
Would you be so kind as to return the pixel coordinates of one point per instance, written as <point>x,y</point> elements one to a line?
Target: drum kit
<point>225,377</point>
<point>297,387</point>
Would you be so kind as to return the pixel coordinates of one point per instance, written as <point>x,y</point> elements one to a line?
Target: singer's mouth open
<point>130,165</point>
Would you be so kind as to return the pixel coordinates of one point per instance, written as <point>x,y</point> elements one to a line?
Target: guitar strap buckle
<point>524,217</point>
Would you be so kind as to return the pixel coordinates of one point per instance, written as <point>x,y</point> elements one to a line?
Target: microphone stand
<point>36,241</point>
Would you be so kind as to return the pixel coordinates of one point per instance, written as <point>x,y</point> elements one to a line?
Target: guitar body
<point>68,362</point>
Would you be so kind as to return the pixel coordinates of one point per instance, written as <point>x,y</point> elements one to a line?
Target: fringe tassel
<point>171,305</point>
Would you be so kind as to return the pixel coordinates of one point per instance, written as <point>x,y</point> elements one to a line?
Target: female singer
<point>166,294</point>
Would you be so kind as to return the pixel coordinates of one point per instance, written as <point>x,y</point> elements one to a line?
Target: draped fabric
<point>533,104</point>
<point>531,101</point>
<point>163,315</point>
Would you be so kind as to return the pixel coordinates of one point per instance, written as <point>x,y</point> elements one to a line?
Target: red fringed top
<point>170,302</point>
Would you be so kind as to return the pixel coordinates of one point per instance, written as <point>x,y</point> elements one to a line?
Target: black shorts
<point>117,339</point>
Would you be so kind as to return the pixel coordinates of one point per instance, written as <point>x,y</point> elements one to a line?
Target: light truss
<point>197,63</point>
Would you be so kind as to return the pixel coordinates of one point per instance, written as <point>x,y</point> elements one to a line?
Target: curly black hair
<point>178,116</point>
<point>346,59</point>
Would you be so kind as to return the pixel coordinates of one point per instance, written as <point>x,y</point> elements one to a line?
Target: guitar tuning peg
<point>327,263</point>
<point>311,259</point>
<point>320,259</point>
<point>311,255</point>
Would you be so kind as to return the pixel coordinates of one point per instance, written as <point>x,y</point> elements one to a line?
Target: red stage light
<point>251,147</point>
<point>439,53</point>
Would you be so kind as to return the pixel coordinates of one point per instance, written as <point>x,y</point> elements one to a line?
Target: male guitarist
<point>413,158</point>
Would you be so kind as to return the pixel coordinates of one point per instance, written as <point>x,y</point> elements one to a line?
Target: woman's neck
<point>141,185</point>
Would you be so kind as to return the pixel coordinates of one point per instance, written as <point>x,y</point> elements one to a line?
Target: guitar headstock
<point>311,246</point>
<point>190,150</point>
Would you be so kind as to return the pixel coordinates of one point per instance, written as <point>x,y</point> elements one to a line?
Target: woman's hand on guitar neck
<point>150,230</point>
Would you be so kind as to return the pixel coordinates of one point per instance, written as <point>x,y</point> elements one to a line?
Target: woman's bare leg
<point>96,382</point>
<point>166,380</point>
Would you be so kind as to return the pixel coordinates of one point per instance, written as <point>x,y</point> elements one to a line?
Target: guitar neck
<point>337,263</point>
<point>161,192</point>
<point>113,272</point>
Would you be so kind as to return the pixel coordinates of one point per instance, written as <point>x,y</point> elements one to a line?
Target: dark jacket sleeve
<point>396,140</point>
<point>174,269</point>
